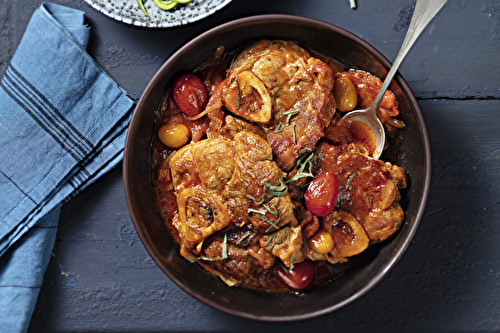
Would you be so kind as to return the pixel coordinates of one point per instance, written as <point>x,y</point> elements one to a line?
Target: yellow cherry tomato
<point>321,242</point>
<point>174,135</point>
<point>345,94</point>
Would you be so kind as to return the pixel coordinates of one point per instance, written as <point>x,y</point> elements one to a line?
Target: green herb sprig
<point>238,96</point>
<point>289,114</point>
<point>248,235</point>
<point>303,162</point>
<point>269,240</point>
<point>276,92</point>
<point>261,213</point>
<point>341,191</point>
<point>224,252</point>
<point>292,261</point>
<point>277,190</point>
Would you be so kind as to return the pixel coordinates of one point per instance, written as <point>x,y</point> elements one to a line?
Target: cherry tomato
<point>300,277</point>
<point>190,94</point>
<point>321,194</point>
<point>173,135</point>
<point>321,242</point>
<point>345,94</point>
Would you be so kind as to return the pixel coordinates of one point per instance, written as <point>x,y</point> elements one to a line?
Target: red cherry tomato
<point>321,194</point>
<point>190,94</point>
<point>300,277</point>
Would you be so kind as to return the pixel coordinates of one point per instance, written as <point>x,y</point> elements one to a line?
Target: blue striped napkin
<point>62,125</point>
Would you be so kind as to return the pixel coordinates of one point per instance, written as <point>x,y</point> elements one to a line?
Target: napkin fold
<point>63,123</point>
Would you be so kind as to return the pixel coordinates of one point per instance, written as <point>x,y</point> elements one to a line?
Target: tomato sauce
<point>363,135</point>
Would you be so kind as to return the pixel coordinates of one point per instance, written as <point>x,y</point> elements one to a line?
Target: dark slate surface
<point>100,277</point>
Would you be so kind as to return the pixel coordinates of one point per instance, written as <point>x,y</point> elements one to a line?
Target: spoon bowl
<point>370,118</point>
<point>424,12</point>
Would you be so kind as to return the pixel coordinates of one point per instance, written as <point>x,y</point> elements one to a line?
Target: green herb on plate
<point>141,6</point>
<point>162,4</point>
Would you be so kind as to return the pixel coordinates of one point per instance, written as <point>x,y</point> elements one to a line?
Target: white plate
<point>128,11</point>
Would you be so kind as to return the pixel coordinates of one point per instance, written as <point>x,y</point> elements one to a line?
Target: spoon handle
<point>424,12</point>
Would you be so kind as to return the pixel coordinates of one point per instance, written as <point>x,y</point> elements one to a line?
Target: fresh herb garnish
<point>224,252</point>
<point>303,162</point>
<point>284,267</point>
<point>242,238</point>
<point>303,150</point>
<point>248,235</point>
<point>341,191</point>
<point>269,240</point>
<point>238,96</point>
<point>292,261</point>
<point>262,213</point>
<point>256,211</point>
<point>348,181</point>
<point>288,113</point>
<point>224,247</point>
<point>210,259</point>
<point>277,190</point>
<point>273,210</point>
<point>258,203</point>
<point>273,225</point>
<point>276,92</point>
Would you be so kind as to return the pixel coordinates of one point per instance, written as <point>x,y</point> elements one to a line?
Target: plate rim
<point>150,24</point>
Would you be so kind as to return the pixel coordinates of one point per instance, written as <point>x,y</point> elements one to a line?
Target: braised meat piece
<point>369,189</point>
<point>224,185</point>
<point>233,126</point>
<point>279,86</point>
<point>235,255</point>
<point>285,244</point>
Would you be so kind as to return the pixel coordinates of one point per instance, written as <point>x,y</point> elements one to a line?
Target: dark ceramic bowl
<point>366,270</point>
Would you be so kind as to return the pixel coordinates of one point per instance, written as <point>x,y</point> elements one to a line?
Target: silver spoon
<point>424,12</point>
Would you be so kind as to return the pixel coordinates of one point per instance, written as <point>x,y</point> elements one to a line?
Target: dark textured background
<point>101,278</point>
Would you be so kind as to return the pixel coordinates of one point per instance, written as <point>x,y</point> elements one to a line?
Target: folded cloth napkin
<point>62,125</point>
